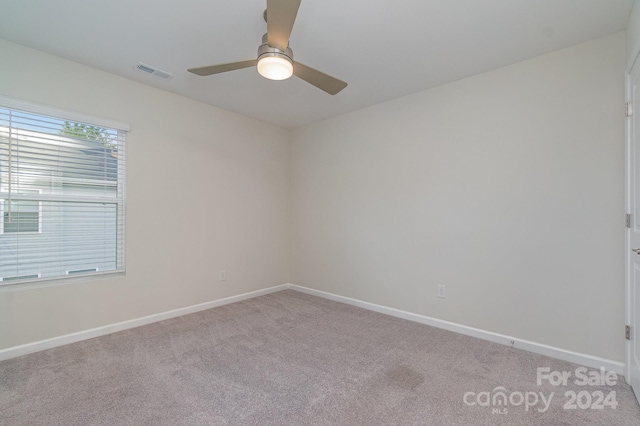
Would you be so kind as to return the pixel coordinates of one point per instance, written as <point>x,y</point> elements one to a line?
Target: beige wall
<point>506,187</point>
<point>207,190</point>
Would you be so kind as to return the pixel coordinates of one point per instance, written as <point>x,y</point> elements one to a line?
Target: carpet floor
<point>288,358</point>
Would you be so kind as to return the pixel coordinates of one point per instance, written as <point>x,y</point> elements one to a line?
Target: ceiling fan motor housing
<point>265,50</point>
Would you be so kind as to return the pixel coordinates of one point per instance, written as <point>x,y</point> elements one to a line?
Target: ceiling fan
<point>275,58</point>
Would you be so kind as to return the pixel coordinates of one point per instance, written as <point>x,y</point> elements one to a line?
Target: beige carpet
<point>292,359</point>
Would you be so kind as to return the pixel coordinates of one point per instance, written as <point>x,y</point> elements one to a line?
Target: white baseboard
<point>539,348</point>
<point>54,342</point>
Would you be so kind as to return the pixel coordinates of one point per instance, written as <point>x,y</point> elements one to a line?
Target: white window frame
<point>120,200</point>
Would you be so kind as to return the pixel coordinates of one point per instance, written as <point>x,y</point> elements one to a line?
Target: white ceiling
<point>383,49</point>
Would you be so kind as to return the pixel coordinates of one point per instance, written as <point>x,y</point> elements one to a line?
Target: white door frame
<point>627,233</point>
<point>629,199</point>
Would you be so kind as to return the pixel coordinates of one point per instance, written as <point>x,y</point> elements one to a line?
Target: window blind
<point>62,197</point>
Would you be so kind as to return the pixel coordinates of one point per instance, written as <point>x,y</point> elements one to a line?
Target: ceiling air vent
<point>153,71</point>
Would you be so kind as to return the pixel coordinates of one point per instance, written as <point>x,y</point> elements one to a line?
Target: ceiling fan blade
<point>217,69</point>
<point>322,81</point>
<point>281,14</point>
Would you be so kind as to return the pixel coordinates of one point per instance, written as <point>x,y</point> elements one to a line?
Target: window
<point>62,194</point>
<point>20,216</point>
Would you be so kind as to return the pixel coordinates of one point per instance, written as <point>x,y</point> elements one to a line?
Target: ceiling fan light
<point>275,67</point>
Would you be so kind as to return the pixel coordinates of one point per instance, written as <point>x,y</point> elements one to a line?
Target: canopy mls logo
<point>500,399</point>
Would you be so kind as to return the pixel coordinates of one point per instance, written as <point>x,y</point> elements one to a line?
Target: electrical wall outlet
<point>223,275</point>
<point>442,291</point>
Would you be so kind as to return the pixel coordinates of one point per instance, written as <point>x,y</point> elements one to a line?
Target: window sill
<point>57,281</point>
